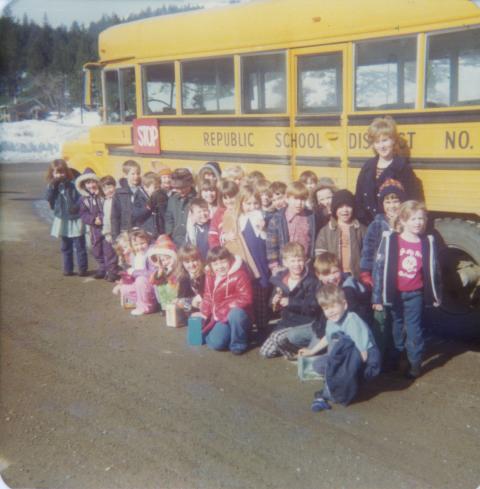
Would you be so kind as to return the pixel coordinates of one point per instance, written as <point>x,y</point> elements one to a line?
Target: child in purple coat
<point>91,213</point>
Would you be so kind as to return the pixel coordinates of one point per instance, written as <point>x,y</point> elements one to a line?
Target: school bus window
<point>127,83</point>
<point>453,69</point>
<point>208,86</point>
<point>385,74</point>
<point>159,89</point>
<point>320,83</point>
<point>263,83</point>
<point>112,96</point>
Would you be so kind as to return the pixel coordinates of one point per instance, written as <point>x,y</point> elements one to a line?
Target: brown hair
<point>330,294</point>
<point>293,249</point>
<point>128,165</point>
<point>324,263</point>
<point>137,233</point>
<point>228,188</point>
<point>307,175</point>
<point>188,253</point>
<point>151,177</point>
<point>278,188</point>
<point>219,253</point>
<point>108,180</point>
<point>58,164</point>
<point>199,202</point>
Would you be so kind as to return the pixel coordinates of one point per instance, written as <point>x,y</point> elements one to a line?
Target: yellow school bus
<point>283,86</point>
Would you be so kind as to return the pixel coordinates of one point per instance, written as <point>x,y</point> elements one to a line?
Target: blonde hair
<point>233,172</point>
<point>405,212</point>
<point>297,190</point>
<point>324,263</point>
<point>128,165</point>
<point>330,294</point>
<point>293,249</point>
<point>246,192</point>
<point>383,126</point>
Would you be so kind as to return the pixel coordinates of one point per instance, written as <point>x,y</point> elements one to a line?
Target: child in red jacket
<point>227,302</point>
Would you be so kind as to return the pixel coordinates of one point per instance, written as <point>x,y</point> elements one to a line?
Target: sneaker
<point>83,273</point>
<point>68,274</point>
<point>112,277</point>
<point>413,373</point>
<point>99,275</point>
<point>320,404</point>
<point>137,312</point>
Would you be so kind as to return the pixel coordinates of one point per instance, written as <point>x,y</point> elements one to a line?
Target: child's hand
<point>284,302</point>
<point>304,352</point>
<point>197,301</point>
<point>377,307</point>
<point>98,221</point>
<point>436,304</point>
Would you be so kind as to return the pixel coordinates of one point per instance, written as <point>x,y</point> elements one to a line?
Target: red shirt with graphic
<point>410,266</point>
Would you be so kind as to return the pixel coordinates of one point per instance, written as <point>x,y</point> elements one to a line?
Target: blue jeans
<point>232,335</point>
<point>68,244</point>
<point>302,336</point>
<point>407,331</point>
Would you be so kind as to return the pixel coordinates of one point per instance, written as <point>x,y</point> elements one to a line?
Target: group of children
<point>310,266</point>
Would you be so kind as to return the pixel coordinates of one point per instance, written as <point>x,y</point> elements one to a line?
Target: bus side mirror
<point>91,86</point>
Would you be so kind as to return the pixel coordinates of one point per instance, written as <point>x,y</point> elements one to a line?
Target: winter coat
<point>216,228</point>
<point>158,205</point>
<point>278,236</point>
<point>176,217</point>
<point>328,239</point>
<point>385,270</point>
<point>302,305</point>
<point>63,199</point>
<point>130,210</point>
<point>91,207</point>
<point>372,240</point>
<point>366,193</point>
<point>220,297</point>
<point>189,288</point>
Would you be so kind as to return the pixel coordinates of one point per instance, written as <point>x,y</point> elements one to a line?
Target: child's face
<point>266,200</point>
<point>167,261</point>
<point>139,245</point>
<point>108,190</point>
<point>238,180</point>
<point>134,177</point>
<point>150,188</point>
<point>220,267</point>
<point>295,264</point>
<point>192,266</point>
<point>324,198</point>
<point>279,201</point>
<point>335,311</point>
<point>332,276</point>
<point>391,204</point>
<point>250,204</point>
<point>210,196</point>
<point>310,184</point>
<point>58,173</point>
<point>92,187</point>
<point>415,224</point>
<point>344,214</point>
<point>295,204</point>
<point>166,182</point>
<point>384,145</point>
<point>229,202</point>
<point>200,215</point>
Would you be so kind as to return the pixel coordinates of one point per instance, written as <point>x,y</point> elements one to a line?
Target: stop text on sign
<point>146,139</point>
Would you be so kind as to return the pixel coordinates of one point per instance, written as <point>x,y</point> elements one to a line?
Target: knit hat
<point>341,198</point>
<point>88,174</point>
<point>391,186</point>
<point>181,178</point>
<point>163,246</point>
<point>214,167</point>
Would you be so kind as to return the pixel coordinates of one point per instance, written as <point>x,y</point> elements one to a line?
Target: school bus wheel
<point>460,262</point>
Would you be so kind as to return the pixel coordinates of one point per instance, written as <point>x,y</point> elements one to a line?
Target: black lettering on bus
<point>301,140</point>
<point>452,139</point>
<point>464,139</point>
<point>206,139</point>
<point>250,139</point>
<point>278,140</point>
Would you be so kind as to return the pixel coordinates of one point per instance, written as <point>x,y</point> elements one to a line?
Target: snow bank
<point>41,141</point>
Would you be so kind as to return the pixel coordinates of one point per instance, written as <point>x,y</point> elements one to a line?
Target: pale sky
<point>85,11</point>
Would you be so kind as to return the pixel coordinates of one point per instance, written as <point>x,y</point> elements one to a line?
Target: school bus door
<point>317,131</point>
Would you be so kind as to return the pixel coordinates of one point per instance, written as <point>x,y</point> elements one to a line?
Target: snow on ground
<point>41,141</point>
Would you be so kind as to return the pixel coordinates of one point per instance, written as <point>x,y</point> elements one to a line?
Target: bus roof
<point>271,24</point>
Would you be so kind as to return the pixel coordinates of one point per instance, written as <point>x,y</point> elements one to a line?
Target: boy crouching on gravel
<point>351,350</point>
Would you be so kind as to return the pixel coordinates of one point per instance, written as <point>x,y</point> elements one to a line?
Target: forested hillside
<point>45,63</point>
